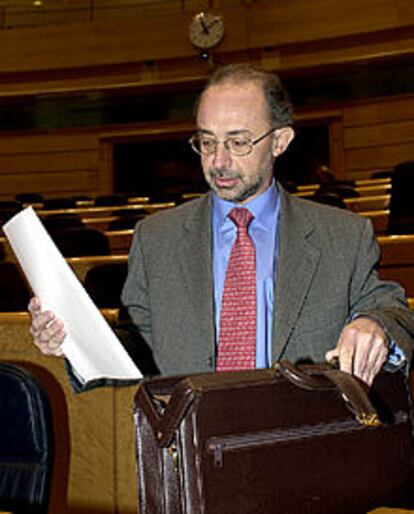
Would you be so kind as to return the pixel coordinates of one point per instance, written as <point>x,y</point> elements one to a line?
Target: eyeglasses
<point>238,144</point>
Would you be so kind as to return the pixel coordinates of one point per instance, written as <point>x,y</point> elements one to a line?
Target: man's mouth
<point>224,179</point>
<point>225,182</point>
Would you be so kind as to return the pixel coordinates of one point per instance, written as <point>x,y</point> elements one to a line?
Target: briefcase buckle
<point>368,419</point>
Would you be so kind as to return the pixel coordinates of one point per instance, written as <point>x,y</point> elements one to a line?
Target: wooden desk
<point>81,265</point>
<point>106,211</point>
<point>119,241</point>
<point>379,219</point>
<point>373,189</point>
<point>397,260</point>
<point>368,203</point>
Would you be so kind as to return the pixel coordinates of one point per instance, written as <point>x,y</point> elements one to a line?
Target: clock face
<point>206,30</point>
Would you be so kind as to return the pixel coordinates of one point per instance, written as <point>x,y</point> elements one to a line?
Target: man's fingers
<point>34,305</point>
<point>332,355</point>
<point>362,349</point>
<point>377,358</point>
<point>47,331</point>
<point>346,351</point>
<point>41,321</point>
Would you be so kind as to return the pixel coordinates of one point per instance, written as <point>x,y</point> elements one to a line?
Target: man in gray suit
<point>318,294</point>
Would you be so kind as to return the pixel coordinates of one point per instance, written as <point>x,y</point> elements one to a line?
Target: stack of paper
<point>91,346</point>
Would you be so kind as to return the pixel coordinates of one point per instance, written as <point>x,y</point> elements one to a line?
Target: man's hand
<point>47,331</point>
<point>362,349</point>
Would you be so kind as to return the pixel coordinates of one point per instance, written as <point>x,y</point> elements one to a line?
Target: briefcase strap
<point>353,391</point>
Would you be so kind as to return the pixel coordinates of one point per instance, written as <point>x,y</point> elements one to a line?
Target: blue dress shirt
<point>263,230</point>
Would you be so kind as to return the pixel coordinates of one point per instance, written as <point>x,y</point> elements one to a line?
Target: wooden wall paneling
<point>106,167</point>
<point>49,141</point>
<point>336,148</point>
<point>57,163</point>
<point>378,134</point>
<point>379,110</point>
<point>301,20</point>
<point>138,38</point>
<point>49,184</point>
<point>363,161</point>
<point>56,160</point>
<point>342,52</point>
<point>383,133</point>
<point>364,137</point>
<point>250,27</point>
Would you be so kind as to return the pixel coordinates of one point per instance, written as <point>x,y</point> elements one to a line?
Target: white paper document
<point>91,346</point>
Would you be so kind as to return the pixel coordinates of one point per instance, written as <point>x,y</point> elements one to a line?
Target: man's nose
<point>222,157</point>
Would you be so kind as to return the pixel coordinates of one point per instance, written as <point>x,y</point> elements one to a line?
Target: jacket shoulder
<point>169,220</point>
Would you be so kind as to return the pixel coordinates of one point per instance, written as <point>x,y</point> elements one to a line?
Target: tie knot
<point>241,216</point>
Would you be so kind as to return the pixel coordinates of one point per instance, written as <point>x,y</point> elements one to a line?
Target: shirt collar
<point>262,207</point>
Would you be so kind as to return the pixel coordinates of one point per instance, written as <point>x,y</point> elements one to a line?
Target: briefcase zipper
<point>221,444</point>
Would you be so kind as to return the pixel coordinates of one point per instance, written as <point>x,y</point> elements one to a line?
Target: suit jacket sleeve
<point>381,300</point>
<point>135,293</point>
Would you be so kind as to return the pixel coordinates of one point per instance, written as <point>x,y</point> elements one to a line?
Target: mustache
<point>223,173</point>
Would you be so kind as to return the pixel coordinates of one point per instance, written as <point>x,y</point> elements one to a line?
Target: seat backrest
<point>58,203</point>
<point>401,217</point>
<point>108,200</point>
<point>29,198</point>
<point>62,221</point>
<point>329,198</point>
<point>15,293</point>
<point>104,284</point>
<point>26,442</point>
<point>125,222</point>
<point>80,242</point>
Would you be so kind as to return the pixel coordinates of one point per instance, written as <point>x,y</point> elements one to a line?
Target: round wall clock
<point>206,30</point>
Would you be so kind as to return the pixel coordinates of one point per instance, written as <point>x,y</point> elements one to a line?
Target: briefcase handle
<point>353,390</point>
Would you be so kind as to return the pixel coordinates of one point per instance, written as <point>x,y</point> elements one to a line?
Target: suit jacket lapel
<point>296,266</point>
<point>195,259</point>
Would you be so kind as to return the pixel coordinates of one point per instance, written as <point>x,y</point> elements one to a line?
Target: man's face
<point>229,109</point>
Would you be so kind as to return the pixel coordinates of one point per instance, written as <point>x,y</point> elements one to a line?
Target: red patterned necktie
<point>237,338</point>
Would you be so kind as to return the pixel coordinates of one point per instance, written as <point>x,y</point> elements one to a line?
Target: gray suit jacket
<point>325,276</point>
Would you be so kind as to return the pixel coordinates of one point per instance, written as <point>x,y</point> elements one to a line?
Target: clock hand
<point>212,23</point>
<point>204,26</point>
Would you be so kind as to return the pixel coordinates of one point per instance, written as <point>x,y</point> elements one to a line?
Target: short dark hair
<point>277,98</point>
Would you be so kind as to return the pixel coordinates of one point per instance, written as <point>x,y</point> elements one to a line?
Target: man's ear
<point>282,139</point>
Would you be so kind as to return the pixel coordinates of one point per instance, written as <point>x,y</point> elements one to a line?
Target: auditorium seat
<point>26,442</point>
<point>29,198</point>
<point>104,284</point>
<point>15,293</point>
<point>382,174</point>
<point>328,198</point>
<point>341,189</point>
<point>110,200</point>
<point>50,204</point>
<point>80,242</point>
<point>401,216</point>
<point>8,208</point>
<point>126,221</point>
<point>82,199</point>
<point>62,221</point>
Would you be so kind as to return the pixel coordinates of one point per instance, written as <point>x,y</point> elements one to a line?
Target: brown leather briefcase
<point>288,440</point>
